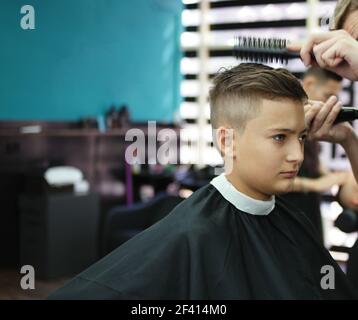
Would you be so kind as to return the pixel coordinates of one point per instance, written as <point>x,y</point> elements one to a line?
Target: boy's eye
<point>303,138</point>
<point>279,137</point>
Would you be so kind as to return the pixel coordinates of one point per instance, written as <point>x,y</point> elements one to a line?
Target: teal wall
<point>86,55</point>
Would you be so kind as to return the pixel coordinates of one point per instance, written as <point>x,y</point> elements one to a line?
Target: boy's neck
<point>235,181</point>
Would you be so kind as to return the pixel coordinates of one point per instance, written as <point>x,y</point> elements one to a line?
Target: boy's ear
<point>224,138</point>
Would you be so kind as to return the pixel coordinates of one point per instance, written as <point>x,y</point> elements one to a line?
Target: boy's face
<point>270,146</point>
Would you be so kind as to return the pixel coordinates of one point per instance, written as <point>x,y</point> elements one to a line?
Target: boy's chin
<point>282,189</point>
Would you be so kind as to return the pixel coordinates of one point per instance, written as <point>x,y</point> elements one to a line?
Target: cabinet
<point>59,234</point>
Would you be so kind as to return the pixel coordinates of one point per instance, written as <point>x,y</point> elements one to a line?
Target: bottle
<point>123,117</point>
<point>110,117</point>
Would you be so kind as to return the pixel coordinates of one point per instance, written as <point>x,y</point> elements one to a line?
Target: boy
<point>232,239</point>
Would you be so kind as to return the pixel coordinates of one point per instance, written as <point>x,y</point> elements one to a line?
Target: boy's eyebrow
<point>287,130</point>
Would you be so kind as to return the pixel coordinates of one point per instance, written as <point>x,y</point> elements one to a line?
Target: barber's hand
<point>326,182</point>
<point>320,117</point>
<point>348,194</point>
<point>333,50</point>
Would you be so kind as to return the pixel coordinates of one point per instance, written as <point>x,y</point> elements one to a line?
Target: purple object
<point>129,183</point>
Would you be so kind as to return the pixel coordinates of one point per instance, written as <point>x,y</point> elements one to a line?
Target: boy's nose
<point>296,153</point>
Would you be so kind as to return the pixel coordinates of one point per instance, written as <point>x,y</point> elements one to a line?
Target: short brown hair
<point>341,12</point>
<point>236,95</point>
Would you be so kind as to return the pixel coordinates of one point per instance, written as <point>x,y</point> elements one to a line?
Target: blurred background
<point>84,74</point>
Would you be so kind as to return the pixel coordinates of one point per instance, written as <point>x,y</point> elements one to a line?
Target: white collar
<point>242,201</point>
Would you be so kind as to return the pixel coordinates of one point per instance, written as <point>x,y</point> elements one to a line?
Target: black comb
<point>263,50</point>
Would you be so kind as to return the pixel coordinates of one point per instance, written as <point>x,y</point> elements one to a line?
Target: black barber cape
<point>207,248</point>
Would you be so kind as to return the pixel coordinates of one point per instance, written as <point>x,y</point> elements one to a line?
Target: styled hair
<point>322,75</point>
<point>341,12</point>
<point>237,93</point>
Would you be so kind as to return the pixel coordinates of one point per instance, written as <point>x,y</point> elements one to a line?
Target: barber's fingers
<point>310,113</point>
<point>313,102</point>
<point>311,109</point>
<point>324,45</point>
<point>307,48</point>
<point>332,56</point>
<point>320,51</point>
<point>316,39</point>
<point>294,47</point>
<point>323,113</point>
<point>328,123</point>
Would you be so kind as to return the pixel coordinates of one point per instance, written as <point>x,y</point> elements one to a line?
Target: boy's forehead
<point>282,106</point>
<point>280,113</point>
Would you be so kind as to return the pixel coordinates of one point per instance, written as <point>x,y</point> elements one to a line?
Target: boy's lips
<point>289,174</point>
